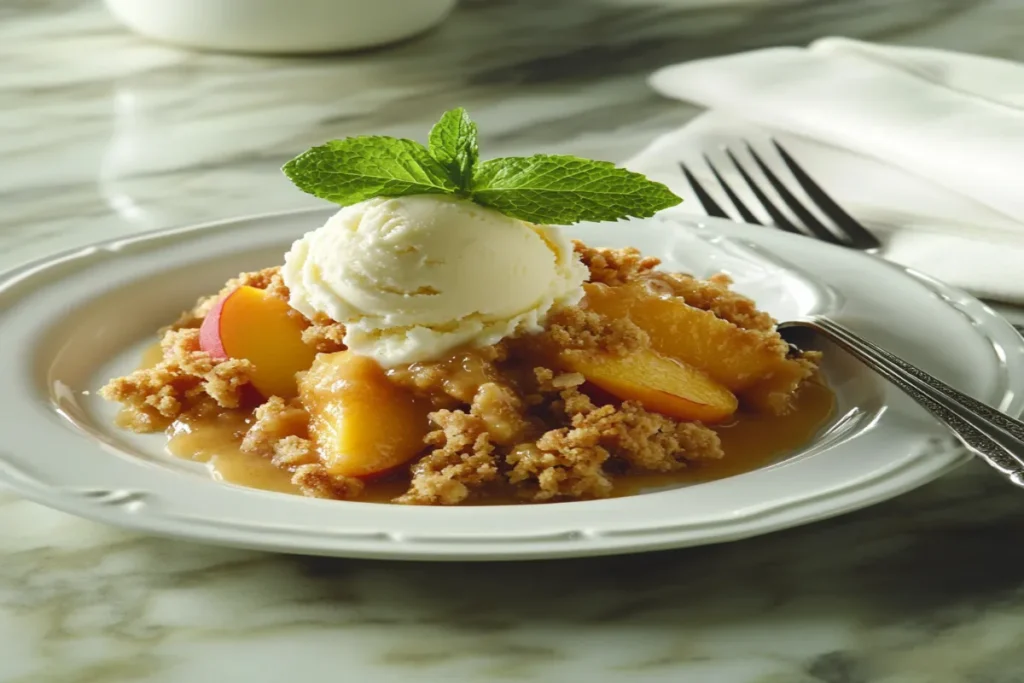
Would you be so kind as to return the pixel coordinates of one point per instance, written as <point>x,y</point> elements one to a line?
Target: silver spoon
<point>993,436</point>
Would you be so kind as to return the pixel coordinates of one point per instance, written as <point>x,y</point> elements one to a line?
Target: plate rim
<point>100,505</point>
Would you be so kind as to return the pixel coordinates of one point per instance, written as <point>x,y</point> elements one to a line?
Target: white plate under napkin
<point>928,144</point>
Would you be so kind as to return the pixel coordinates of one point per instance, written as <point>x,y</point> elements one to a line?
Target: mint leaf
<point>541,188</point>
<point>351,170</point>
<point>566,189</point>
<point>453,143</point>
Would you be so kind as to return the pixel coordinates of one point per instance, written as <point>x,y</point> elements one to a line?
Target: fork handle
<point>994,436</point>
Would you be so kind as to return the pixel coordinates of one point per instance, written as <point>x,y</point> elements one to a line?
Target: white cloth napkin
<point>925,146</point>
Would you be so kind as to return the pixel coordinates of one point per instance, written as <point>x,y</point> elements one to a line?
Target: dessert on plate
<point>439,341</point>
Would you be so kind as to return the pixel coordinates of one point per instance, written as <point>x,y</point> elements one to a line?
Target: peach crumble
<point>650,375</point>
<point>439,341</point>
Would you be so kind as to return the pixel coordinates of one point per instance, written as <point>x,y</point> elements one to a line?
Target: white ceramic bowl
<point>279,26</point>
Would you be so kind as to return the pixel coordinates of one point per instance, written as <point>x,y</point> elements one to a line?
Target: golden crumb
<point>324,335</point>
<point>645,440</point>
<point>225,379</point>
<point>715,295</point>
<point>292,451</point>
<point>273,421</point>
<point>574,328</point>
<point>280,431</point>
<point>569,461</point>
<point>316,482</point>
<point>614,266</point>
<point>562,463</point>
<point>461,462</point>
<point>178,383</point>
<point>275,286</point>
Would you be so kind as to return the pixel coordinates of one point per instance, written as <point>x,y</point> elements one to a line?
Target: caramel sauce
<point>750,442</point>
<point>217,442</point>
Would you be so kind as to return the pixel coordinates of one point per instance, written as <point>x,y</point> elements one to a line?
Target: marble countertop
<point>107,134</point>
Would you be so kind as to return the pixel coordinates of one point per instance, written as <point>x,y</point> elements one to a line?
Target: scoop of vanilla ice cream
<point>412,278</point>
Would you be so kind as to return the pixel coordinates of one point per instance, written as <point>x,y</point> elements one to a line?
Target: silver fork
<point>995,437</point>
<point>848,232</point>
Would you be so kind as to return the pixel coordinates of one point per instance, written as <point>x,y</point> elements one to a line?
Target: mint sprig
<point>354,169</point>
<point>564,189</point>
<point>542,188</point>
<point>452,143</point>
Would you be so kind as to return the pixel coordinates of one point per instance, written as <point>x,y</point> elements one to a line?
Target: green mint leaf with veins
<point>540,189</point>
<point>453,144</point>
<point>358,168</point>
<point>566,189</point>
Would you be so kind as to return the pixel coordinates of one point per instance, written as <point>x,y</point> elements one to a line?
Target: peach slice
<point>741,360</point>
<point>660,384</point>
<point>249,323</point>
<point>361,423</point>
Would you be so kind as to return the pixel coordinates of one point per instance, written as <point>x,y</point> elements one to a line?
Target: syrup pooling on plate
<point>216,441</point>
<point>441,334</point>
<point>750,442</point>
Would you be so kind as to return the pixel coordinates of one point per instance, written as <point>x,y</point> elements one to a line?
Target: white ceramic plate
<point>70,322</point>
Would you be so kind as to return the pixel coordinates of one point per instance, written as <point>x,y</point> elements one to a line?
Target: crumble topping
<point>574,328</point>
<point>316,482</point>
<point>715,295</point>
<point>502,418</point>
<point>462,461</point>
<point>185,380</point>
<point>569,461</point>
<point>324,335</point>
<point>562,463</point>
<point>275,421</point>
<point>614,266</point>
<point>292,451</point>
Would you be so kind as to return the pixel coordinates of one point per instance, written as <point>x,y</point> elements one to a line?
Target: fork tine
<point>819,229</point>
<point>778,217</point>
<point>746,213</point>
<point>710,205</point>
<point>858,235</point>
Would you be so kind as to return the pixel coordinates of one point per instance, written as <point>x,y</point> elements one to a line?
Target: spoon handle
<point>994,436</point>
